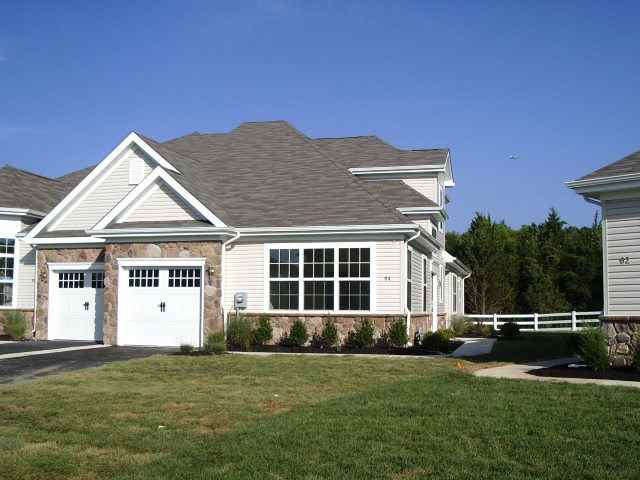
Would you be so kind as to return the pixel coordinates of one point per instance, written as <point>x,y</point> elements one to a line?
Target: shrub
<point>329,333</point>
<point>316,340</point>
<point>240,333</point>
<point>480,329</point>
<point>436,341</point>
<point>298,335</point>
<point>510,330</point>
<point>363,336</point>
<point>186,348</point>
<point>459,325</point>
<point>264,332</point>
<point>383,340</point>
<point>215,343</point>
<point>592,348</point>
<point>398,334</point>
<point>15,325</point>
<point>635,359</point>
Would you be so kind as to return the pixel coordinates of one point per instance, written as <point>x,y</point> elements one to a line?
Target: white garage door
<point>159,305</point>
<point>76,305</point>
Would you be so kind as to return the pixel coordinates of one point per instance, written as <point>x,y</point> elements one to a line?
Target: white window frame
<point>409,269</point>
<point>454,293</point>
<point>14,280</point>
<point>440,284</point>
<point>425,283</point>
<point>336,278</point>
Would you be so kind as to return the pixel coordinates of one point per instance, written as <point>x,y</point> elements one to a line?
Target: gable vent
<point>136,170</point>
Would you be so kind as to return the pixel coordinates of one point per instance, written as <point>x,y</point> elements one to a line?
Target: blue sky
<point>555,83</point>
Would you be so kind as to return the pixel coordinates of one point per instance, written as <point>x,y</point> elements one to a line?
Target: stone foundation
<point>28,317</point>
<point>281,323</point>
<point>623,336</point>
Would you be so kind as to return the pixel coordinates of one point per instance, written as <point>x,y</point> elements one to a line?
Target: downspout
<point>404,268</point>
<point>35,297</point>
<point>223,276</point>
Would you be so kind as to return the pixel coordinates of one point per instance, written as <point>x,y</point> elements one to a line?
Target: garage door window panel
<point>71,280</point>
<point>184,277</point>
<point>97,280</point>
<point>144,278</point>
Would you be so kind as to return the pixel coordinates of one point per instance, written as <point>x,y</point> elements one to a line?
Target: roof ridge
<point>348,137</point>
<point>22,170</point>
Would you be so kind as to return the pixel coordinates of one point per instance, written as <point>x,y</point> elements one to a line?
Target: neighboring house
<point>151,245</point>
<point>616,188</point>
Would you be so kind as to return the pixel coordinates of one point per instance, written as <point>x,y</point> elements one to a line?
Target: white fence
<point>543,322</point>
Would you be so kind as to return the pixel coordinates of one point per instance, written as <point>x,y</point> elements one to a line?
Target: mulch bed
<point>410,351</point>
<point>564,371</point>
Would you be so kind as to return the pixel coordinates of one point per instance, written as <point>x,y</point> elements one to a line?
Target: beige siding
<point>388,276</point>
<point>416,282</point>
<point>244,272</point>
<point>622,241</point>
<point>25,281</point>
<point>426,186</point>
<point>162,204</point>
<point>105,196</point>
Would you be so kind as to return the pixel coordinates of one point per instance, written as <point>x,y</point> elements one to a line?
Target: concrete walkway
<point>473,347</point>
<point>522,372</point>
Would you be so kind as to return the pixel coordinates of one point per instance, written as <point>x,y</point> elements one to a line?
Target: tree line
<point>544,268</point>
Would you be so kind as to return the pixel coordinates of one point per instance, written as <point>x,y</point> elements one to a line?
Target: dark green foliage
<point>298,335</point>
<point>240,333</point>
<point>215,343</point>
<point>264,331</point>
<point>398,334</point>
<point>547,267</point>
<point>329,333</point>
<point>362,337</point>
<point>436,341</point>
<point>459,325</point>
<point>186,348</point>
<point>15,325</point>
<point>510,330</point>
<point>592,348</point>
<point>636,356</point>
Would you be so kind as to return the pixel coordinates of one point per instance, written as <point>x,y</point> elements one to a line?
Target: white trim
<point>140,189</point>
<point>22,212</point>
<point>603,180</point>
<point>136,203</point>
<point>336,278</point>
<point>605,265</point>
<point>198,262</point>
<point>114,155</point>
<point>161,262</point>
<point>399,169</point>
<point>64,240</point>
<point>65,266</point>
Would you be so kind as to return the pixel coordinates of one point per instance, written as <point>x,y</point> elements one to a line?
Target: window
<point>71,280</point>
<point>454,293</point>
<point>424,284</point>
<point>97,280</point>
<point>284,263</point>
<point>409,280</point>
<point>184,277</point>
<point>139,277</point>
<point>318,263</point>
<point>441,284</point>
<point>7,252</point>
<point>320,278</point>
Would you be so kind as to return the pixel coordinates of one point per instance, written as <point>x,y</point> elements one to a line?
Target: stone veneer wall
<point>282,322</point>
<point>623,336</point>
<point>28,317</point>
<point>60,255</point>
<point>211,251</point>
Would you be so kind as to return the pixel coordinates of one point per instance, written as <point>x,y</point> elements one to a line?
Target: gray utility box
<point>240,300</point>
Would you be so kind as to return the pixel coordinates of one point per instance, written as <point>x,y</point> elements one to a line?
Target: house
<point>150,246</point>
<point>616,188</point>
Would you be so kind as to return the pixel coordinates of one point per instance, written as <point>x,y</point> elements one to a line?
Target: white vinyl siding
<point>622,219</point>
<point>388,276</point>
<point>426,186</point>
<point>106,195</point>
<point>162,204</point>
<point>416,282</point>
<point>244,272</point>
<point>25,281</point>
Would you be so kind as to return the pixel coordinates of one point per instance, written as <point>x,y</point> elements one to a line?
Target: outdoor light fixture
<point>210,272</point>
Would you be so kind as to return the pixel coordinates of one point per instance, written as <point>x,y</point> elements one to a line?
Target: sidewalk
<point>473,347</point>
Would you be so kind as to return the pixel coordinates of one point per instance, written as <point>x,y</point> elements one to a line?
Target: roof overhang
<point>594,187</point>
<point>22,212</point>
<point>127,234</point>
<point>415,211</point>
<point>455,265</point>
<point>408,171</point>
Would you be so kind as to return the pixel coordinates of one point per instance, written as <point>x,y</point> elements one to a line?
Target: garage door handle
<point>86,305</point>
<point>162,306</point>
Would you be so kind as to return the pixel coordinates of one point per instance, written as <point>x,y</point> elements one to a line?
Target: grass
<point>530,347</point>
<point>288,417</point>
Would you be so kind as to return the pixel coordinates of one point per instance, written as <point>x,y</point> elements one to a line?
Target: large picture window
<point>320,278</point>
<point>7,258</point>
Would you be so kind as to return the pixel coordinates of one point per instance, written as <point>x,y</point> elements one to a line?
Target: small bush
<point>636,355</point>
<point>329,333</point>
<point>15,325</point>
<point>510,330</point>
<point>398,334</point>
<point>383,340</point>
<point>363,336</point>
<point>592,348</point>
<point>298,335</point>
<point>316,340</point>
<point>459,325</point>
<point>436,341</point>
<point>215,343</point>
<point>186,348</point>
<point>240,333</point>
<point>264,332</point>
<point>480,329</point>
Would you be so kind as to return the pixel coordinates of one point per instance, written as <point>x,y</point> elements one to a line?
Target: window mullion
<point>301,279</point>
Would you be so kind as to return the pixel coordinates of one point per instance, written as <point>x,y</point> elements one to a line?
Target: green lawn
<point>531,346</point>
<point>289,417</point>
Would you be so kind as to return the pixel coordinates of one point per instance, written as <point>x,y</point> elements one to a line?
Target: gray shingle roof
<point>22,189</point>
<point>629,164</point>
<point>159,224</point>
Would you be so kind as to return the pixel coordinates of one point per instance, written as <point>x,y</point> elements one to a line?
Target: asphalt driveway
<point>25,369</point>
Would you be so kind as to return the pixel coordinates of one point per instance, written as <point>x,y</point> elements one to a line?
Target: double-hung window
<point>7,258</point>
<point>424,284</point>
<point>441,284</point>
<point>409,273</point>
<point>454,292</point>
<point>284,274</point>
<point>320,278</point>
